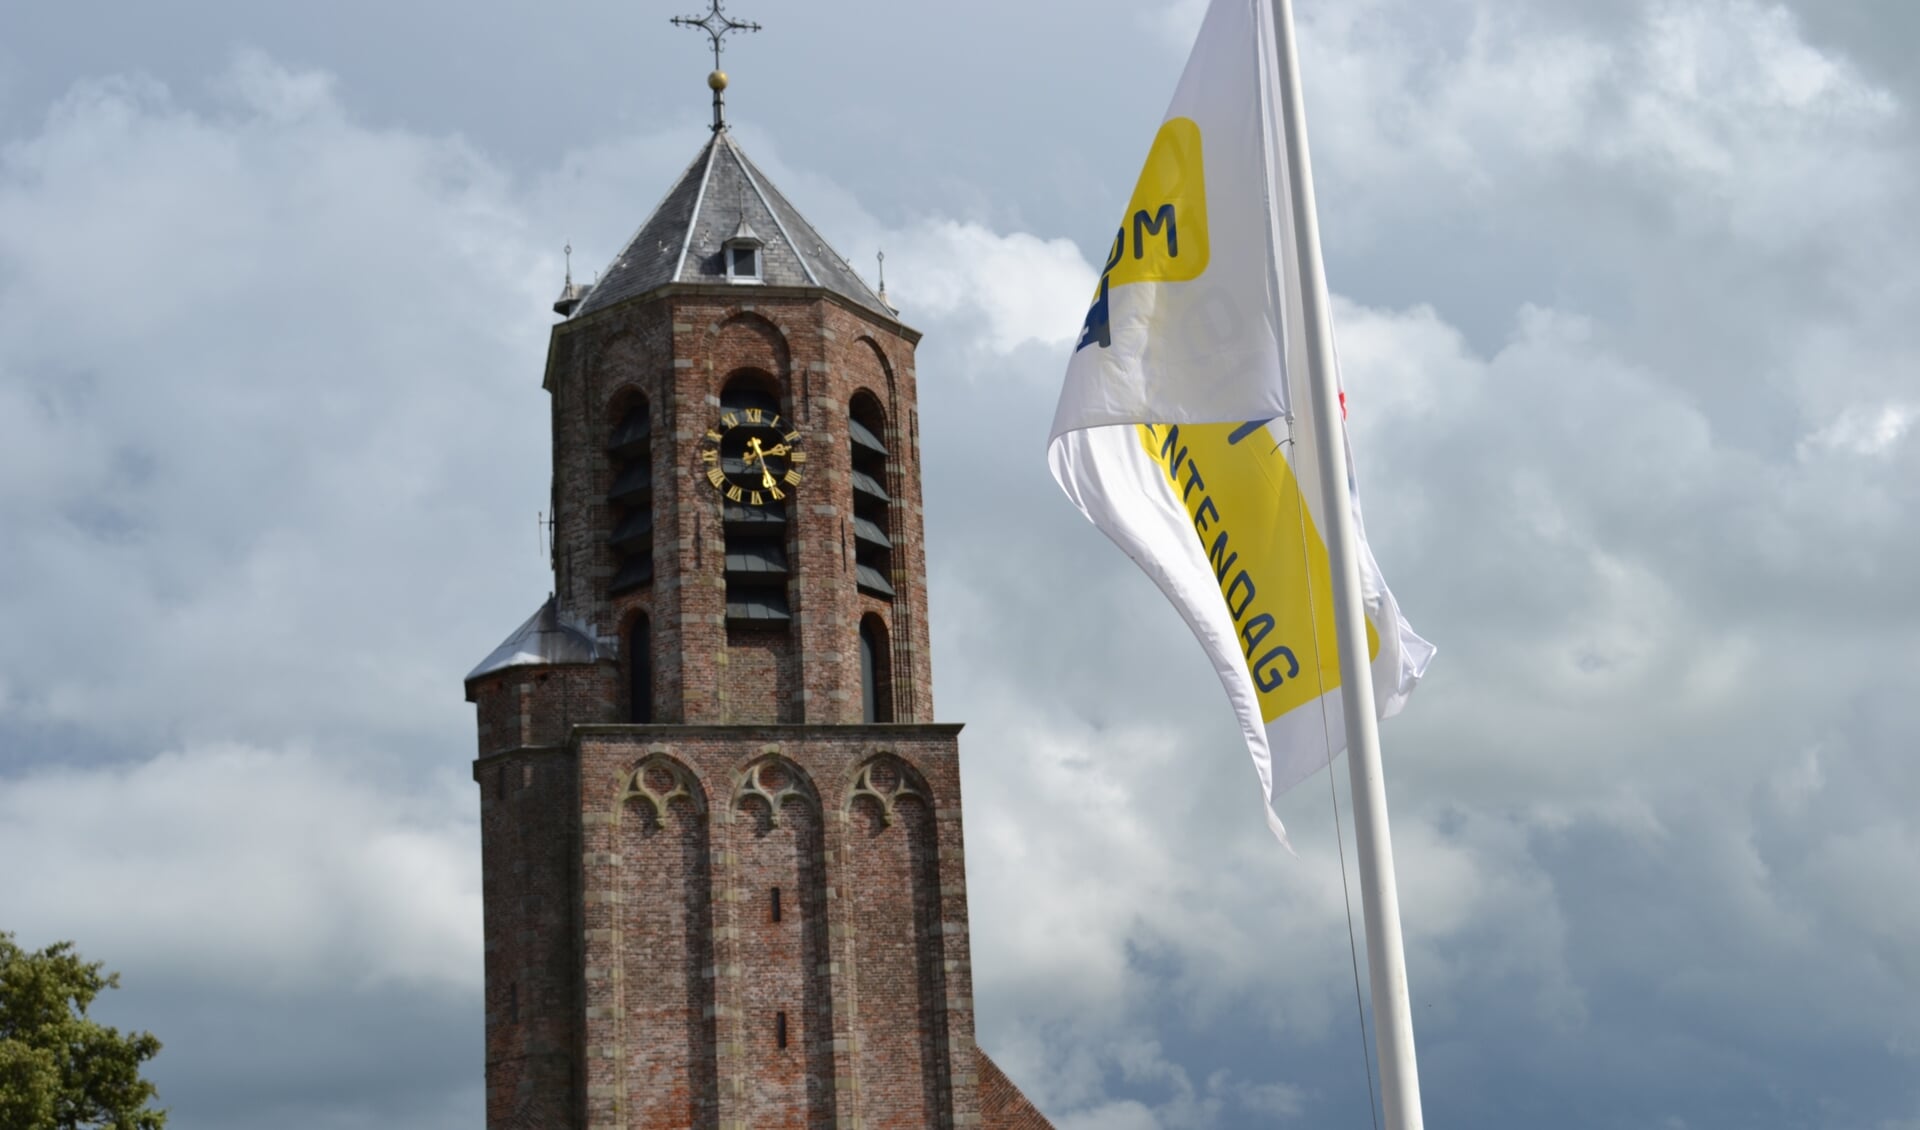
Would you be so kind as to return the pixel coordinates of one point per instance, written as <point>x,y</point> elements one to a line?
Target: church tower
<point>721,832</point>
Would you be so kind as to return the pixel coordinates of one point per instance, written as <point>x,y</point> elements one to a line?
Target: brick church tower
<point>721,832</point>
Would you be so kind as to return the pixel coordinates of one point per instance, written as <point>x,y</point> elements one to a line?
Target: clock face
<point>753,456</point>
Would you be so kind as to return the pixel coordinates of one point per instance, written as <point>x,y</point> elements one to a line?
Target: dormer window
<point>743,255</point>
<point>743,263</point>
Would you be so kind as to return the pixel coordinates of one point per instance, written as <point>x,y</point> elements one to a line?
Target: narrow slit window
<point>869,693</point>
<point>876,673</point>
<point>640,670</point>
<point>780,1030</point>
<point>776,904</point>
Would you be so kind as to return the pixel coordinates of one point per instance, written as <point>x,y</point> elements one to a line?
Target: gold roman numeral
<point>798,457</point>
<point>755,498</point>
<point>713,436</point>
<point>733,494</point>
<point>729,419</point>
<point>753,415</point>
<point>777,493</point>
<point>790,437</point>
<point>715,477</point>
<point>710,455</point>
<point>793,478</point>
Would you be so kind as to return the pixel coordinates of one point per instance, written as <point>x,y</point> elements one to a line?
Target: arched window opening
<point>872,518</point>
<point>640,670</point>
<point>756,534</point>
<point>630,500</point>
<point>876,672</point>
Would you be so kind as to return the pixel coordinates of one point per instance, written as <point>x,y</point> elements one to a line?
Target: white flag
<point>1184,427</point>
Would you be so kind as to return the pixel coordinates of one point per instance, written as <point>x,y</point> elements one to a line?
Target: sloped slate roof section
<point>546,639</point>
<point>824,263</point>
<point>652,257</point>
<point>684,241</point>
<point>732,200</point>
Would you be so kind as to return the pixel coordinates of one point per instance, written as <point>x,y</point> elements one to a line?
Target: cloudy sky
<point>1625,296</point>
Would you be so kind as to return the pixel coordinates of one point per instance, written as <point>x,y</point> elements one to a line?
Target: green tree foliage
<point>60,1070</point>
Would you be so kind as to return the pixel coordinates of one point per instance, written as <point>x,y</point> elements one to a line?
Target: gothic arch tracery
<point>773,780</point>
<point>886,780</point>
<point>657,782</point>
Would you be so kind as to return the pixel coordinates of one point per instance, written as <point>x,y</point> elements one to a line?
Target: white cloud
<point>1017,287</point>
<point>263,467</point>
<point>1272,1100</point>
<point>221,342</point>
<point>274,870</point>
<point>1862,431</point>
<point>1141,1062</point>
<point>1721,101</point>
<point>1127,1115</point>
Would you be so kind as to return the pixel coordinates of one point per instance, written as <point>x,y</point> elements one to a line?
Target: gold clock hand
<point>766,476</point>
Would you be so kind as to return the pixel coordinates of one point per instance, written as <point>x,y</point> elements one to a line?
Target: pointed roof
<point>720,195</point>
<point>546,639</point>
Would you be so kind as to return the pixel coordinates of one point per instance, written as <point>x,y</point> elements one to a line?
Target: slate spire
<point>685,240</point>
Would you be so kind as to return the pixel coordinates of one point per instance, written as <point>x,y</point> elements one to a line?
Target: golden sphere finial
<point>717,80</point>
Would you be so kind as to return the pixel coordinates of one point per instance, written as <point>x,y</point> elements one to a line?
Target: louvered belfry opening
<point>630,498</point>
<point>872,525</point>
<point>756,536</point>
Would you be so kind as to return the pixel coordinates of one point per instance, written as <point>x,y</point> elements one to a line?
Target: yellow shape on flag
<point>1245,505</point>
<point>1164,235</point>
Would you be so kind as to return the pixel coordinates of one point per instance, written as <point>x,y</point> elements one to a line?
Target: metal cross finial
<point>568,252</point>
<point>718,25</point>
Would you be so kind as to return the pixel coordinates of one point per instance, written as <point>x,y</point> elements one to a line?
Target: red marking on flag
<point>1343,404</point>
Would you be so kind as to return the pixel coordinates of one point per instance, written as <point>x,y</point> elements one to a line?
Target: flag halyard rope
<point>1333,792</point>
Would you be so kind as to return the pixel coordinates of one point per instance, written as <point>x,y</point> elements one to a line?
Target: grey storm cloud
<point>1624,315</point>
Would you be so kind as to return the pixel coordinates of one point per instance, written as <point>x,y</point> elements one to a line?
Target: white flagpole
<point>1379,895</point>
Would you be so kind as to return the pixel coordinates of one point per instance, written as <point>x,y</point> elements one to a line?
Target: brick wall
<point>529,850</point>
<point>868,960</point>
<point>782,961</point>
<point>678,352</point>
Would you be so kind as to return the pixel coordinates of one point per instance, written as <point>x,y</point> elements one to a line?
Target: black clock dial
<point>752,456</point>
